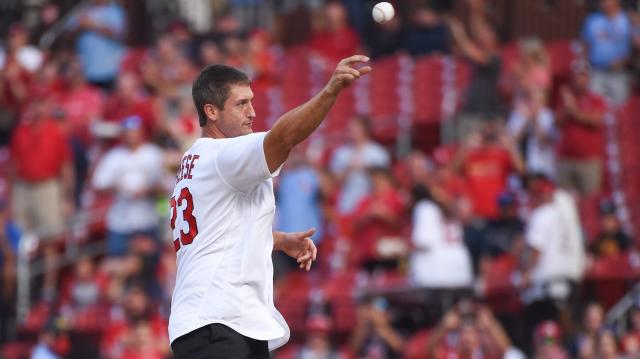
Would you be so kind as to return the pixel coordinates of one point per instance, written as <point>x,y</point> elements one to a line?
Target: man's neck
<point>212,132</point>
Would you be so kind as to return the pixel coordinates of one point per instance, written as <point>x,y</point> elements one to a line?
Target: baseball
<point>383,12</point>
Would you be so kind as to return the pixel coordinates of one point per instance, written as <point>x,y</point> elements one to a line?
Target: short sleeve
<point>241,162</point>
<point>516,123</point>
<point>106,172</point>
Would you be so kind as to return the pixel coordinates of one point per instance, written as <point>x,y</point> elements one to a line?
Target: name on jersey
<point>186,166</point>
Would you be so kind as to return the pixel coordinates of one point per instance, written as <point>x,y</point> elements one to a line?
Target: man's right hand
<point>345,74</point>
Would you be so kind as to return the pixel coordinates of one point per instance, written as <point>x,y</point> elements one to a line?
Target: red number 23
<point>187,215</point>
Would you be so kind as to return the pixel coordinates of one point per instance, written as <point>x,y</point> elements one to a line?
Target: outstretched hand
<point>298,245</point>
<point>345,74</point>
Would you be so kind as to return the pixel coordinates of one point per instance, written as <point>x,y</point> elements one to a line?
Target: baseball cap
<point>131,122</point>
<point>607,207</point>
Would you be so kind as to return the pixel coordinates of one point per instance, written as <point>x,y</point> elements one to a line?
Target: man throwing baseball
<point>222,212</point>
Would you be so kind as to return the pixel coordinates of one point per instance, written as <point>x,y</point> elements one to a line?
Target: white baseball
<point>383,12</point>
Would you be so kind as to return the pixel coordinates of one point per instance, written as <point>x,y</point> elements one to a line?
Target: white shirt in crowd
<point>353,162</point>
<point>571,219</point>
<point>440,258</point>
<point>225,275</point>
<point>540,156</point>
<point>547,234</point>
<point>128,173</point>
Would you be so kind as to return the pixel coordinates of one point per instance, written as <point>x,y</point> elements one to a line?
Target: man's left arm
<point>297,245</point>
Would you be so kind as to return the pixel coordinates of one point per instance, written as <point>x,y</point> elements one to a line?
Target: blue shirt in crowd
<point>299,202</point>
<point>608,39</point>
<point>100,55</point>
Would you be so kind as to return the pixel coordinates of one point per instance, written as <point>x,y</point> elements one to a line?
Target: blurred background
<point>476,196</point>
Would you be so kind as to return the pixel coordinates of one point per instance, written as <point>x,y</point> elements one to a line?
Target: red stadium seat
<point>17,350</point>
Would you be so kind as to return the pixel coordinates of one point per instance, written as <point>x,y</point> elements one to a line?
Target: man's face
<point>610,6</point>
<point>236,118</point>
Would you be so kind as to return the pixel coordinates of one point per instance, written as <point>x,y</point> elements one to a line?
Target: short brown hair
<point>213,85</point>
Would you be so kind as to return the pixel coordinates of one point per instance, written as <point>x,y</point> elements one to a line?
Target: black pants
<point>217,341</point>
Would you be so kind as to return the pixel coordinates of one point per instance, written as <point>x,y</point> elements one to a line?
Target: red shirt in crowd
<point>39,150</point>
<point>581,141</point>
<point>80,106</point>
<point>116,109</point>
<point>337,45</point>
<point>368,229</point>
<point>486,171</point>
<point>124,340</point>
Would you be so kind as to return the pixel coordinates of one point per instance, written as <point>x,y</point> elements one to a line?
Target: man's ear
<point>211,112</point>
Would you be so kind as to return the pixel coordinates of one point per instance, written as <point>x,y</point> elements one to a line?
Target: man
<point>607,35</point>
<point>221,215</point>
<point>350,162</point>
<point>101,27</point>
<point>133,172</point>
<point>580,119</point>
<point>551,270</point>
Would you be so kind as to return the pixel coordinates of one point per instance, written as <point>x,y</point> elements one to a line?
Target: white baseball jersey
<point>221,214</point>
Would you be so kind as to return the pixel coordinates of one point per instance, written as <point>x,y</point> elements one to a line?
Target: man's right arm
<point>296,125</point>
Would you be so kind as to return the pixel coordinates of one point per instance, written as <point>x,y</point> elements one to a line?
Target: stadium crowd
<point>484,243</point>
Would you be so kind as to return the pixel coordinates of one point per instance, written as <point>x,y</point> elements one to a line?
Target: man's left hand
<point>298,245</point>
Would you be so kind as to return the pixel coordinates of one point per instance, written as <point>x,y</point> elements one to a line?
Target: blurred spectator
<point>607,345</point>
<point>469,332</point>
<point>504,234</point>
<point>141,333</point>
<point>373,336</point>
<point>20,53</point>
<point>168,71</point>
<point>299,198</point>
<point>592,324</point>
<point>129,99</point>
<point>607,35</point>
<point>101,27</point>
<point>612,240</point>
<point>486,160</point>
<point>40,173</point>
<point>427,33</point>
<point>318,343</point>
<point>580,119</point>
<point>376,223</point>
<point>350,161</point>
<point>81,105</point>
<point>548,278</point>
<point>53,341</point>
<point>439,257</point>
<point>531,124</point>
<point>533,70</point>
<point>631,340</point>
<point>17,71</point>
<point>336,39</point>
<point>210,53</point>
<point>548,341</point>
<point>261,60</point>
<point>482,101</point>
<point>85,289</point>
<point>132,172</point>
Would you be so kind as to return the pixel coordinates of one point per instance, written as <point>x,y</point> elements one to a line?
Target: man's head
<point>610,7</point>
<point>580,71</point>
<point>222,95</point>
<point>360,130</point>
<point>132,131</point>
